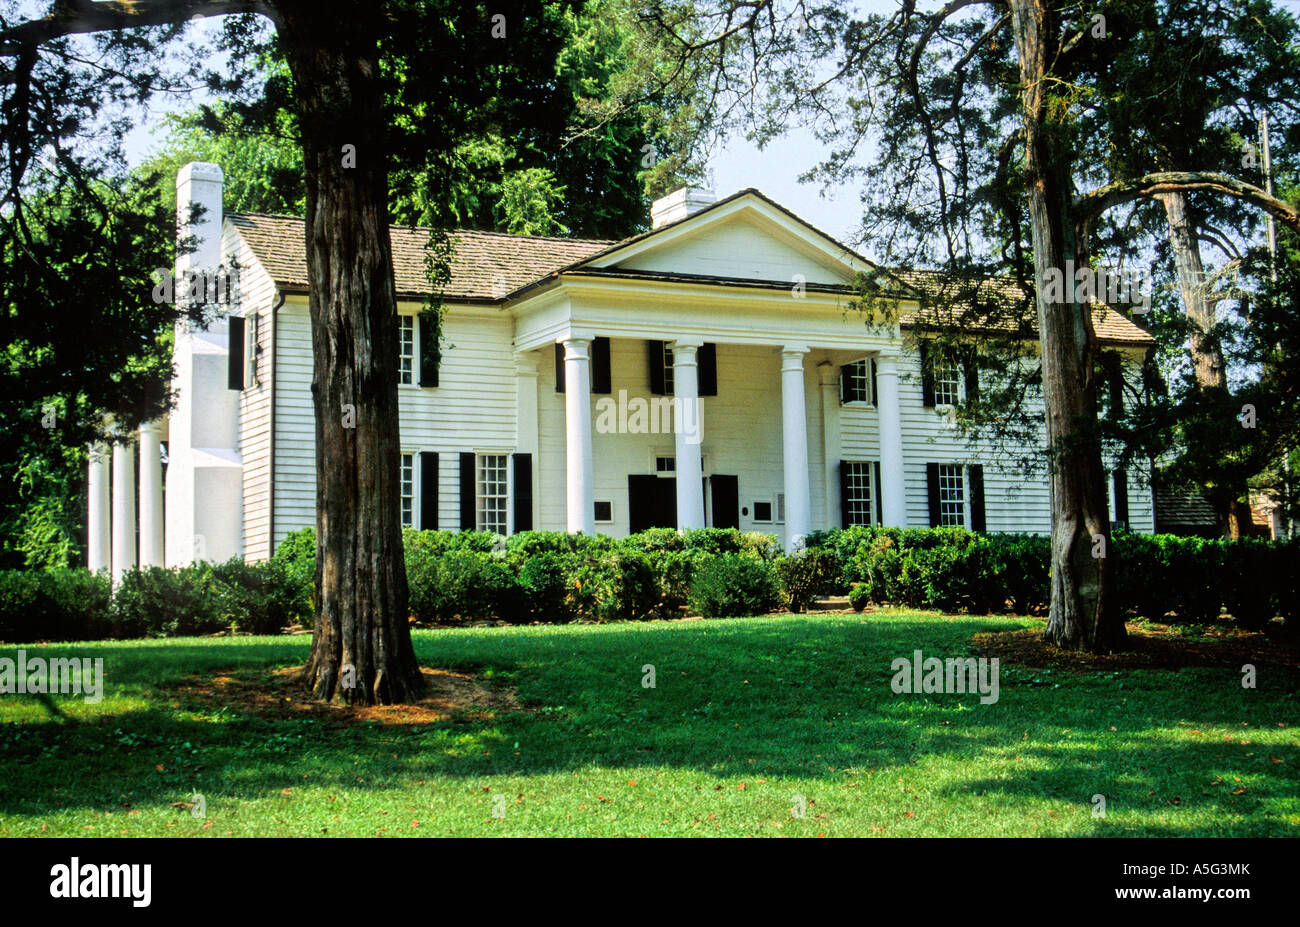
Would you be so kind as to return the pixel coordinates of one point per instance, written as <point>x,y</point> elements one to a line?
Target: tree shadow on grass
<point>806,699</point>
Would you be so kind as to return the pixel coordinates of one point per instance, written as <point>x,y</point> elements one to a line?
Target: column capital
<point>694,342</point>
<point>887,363</point>
<point>795,348</point>
<point>792,358</point>
<point>576,347</point>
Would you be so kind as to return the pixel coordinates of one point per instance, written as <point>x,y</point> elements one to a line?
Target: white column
<point>123,508</point>
<point>98,520</point>
<point>794,422</point>
<point>151,495</point>
<point>526,427</point>
<point>893,496</point>
<point>687,435</point>
<point>579,484</point>
<point>830,382</point>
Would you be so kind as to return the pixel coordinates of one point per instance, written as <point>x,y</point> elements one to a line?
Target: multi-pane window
<point>669,388</point>
<point>856,382</point>
<point>857,492</point>
<point>666,466</point>
<point>947,383</point>
<point>493,492</point>
<point>406,484</point>
<point>952,496</point>
<point>406,349</point>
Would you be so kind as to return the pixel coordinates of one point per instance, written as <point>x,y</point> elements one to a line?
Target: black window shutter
<point>468,516</point>
<point>708,369</point>
<point>523,492</point>
<point>235,355</point>
<point>559,367</point>
<point>880,495</point>
<point>428,352</point>
<point>927,377</point>
<point>600,377</point>
<point>655,358</point>
<point>975,475</point>
<point>932,484</point>
<point>972,375</point>
<point>429,490</point>
<point>1121,495</point>
<point>872,362</point>
<point>844,494</point>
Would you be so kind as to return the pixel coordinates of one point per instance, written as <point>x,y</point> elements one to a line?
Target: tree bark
<point>1082,614</point>
<point>361,646</point>
<point>1207,357</point>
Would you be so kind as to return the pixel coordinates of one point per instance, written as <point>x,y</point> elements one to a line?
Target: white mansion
<point>560,358</point>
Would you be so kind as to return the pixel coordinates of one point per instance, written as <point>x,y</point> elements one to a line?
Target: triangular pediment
<point>745,236</point>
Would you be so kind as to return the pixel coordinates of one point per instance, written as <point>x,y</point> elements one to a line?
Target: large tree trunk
<point>361,647</point>
<point>1083,615</point>
<point>1207,357</point>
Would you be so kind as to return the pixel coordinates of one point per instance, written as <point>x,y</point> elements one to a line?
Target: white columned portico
<point>794,429</point>
<point>893,496</point>
<point>123,509</point>
<point>579,482</point>
<point>151,495</point>
<point>98,520</point>
<point>688,435</point>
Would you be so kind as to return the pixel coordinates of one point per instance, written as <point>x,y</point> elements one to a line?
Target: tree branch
<point>1088,207</point>
<point>74,17</point>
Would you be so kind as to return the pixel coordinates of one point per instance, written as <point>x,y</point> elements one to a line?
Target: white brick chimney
<point>679,204</point>
<point>204,499</point>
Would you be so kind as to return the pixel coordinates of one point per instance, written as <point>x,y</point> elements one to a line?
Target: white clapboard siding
<point>257,294</point>
<point>473,408</point>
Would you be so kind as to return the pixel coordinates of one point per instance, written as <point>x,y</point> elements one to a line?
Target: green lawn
<point>746,715</point>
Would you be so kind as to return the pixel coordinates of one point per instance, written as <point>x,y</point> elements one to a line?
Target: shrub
<point>169,602</point>
<point>1022,563</point>
<point>859,596</point>
<point>543,580</point>
<point>260,598</point>
<point>623,587</point>
<point>296,557</point>
<point>59,604</point>
<point>806,574</point>
<point>1250,591</point>
<point>729,585</point>
<point>464,584</point>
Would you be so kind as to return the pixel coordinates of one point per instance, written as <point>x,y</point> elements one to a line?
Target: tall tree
<point>938,87</point>
<point>368,86</point>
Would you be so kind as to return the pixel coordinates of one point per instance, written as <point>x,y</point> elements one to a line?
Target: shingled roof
<point>488,266</point>
<point>1111,326</point>
<point>485,265</point>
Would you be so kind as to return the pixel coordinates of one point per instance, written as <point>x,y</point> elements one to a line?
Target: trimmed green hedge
<point>1190,580</point>
<point>553,577</point>
<point>202,598</point>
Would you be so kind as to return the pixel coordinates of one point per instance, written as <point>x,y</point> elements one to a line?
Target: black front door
<point>726,501</point>
<point>651,502</point>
